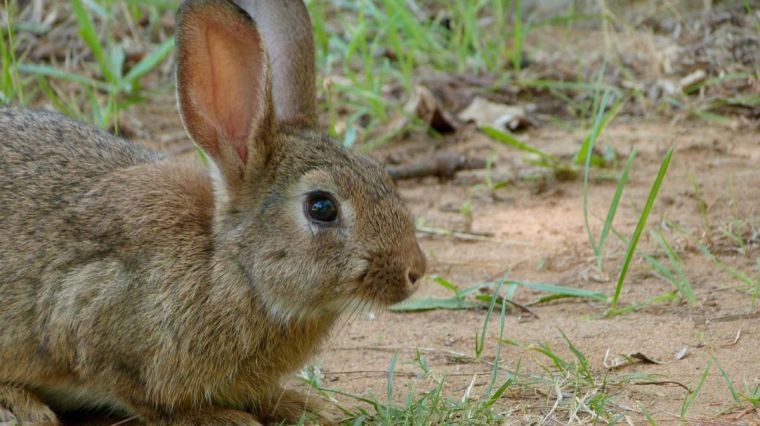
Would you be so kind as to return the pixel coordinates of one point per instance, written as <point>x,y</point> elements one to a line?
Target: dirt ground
<point>540,236</point>
<point>535,232</point>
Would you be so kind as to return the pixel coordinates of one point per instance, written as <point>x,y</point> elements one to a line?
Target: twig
<point>736,317</point>
<point>662,383</point>
<point>421,350</point>
<point>444,166</point>
<point>455,234</point>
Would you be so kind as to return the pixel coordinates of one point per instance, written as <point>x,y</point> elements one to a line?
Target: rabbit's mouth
<point>391,279</point>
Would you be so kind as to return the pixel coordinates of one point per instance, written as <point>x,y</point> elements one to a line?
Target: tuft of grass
<point>99,99</point>
<point>577,388</point>
<point>598,247</point>
<point>431,407</point>
<point>580,392</point>
<point>377,47</point>
<point>11,87</point>
<point>472,297</point>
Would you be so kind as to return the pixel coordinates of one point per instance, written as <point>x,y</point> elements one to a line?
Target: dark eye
<point>321,208</point>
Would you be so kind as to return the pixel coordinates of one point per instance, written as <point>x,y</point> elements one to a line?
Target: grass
<point>749,396</point>
<point>105,84</point>
<point>676,272</point>
<point>473,297</point>
<point>577,389</point>
<point>693,394</point>
<point>633,242</point>
<point>11,87</point>
<point>371,55</point>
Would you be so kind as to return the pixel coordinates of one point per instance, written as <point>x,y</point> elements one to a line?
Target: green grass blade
<point>584,156</point>
<point>599,126</point>
<point>447,285</point>
<point>740,276</point>
<point>389,388</point>
<point>640,225</point>
<point>151,61</point>
<point>48,71</point>
<point>562,290</point>
<point>429,304</point>
<point>681,281</point>
<point>497,356</point>
<point>660,298</point>
<point>518,35</point>
<point>90,36</point>
<point>693,394</point>
<point>661,269</point>
<point>646,414</point>
<point>583,366</point>
<point>509,140</point>
<point>480,342</point>
<point>10,84</point>
<point>612,211</point>
<point>734,393</point>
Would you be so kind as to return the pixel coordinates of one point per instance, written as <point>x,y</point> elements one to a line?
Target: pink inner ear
<point>222,81</point>
<point>235,68</point>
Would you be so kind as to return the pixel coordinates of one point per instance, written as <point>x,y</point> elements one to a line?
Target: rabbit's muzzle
<point>391,278</point>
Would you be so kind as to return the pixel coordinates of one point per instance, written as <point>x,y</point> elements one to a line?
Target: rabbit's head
<point>313,228</point>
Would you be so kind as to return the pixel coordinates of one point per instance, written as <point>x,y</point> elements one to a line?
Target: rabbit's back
<point>48,163</point>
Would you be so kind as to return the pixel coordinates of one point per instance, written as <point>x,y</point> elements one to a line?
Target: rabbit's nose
<point>417,269</point>
<point>412,276</point>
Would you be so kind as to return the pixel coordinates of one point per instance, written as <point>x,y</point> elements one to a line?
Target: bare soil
<point>538,235</point>
<point>535,232</point>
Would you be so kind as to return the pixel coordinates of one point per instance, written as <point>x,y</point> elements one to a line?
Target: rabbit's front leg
<point>291,407</point>
<point>210,417</point>
<point>19,406</point>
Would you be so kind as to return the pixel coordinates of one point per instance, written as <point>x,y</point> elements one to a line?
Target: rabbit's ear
<point>223,84</point>
<point>287,31</point>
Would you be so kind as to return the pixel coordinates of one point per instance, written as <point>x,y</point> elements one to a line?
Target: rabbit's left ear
<point>224,84</point>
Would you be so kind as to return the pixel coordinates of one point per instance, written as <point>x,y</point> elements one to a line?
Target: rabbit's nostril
<point>412,276</point>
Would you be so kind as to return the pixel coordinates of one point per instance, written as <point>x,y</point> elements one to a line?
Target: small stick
<point>444,166</point>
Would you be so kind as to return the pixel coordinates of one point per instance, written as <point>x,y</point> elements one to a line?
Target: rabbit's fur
<point>153,287</point>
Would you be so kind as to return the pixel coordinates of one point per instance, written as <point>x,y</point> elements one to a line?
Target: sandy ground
<point>535,232</point>
<point>541,237</point>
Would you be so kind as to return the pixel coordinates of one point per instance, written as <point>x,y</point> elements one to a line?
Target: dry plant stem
<point>443,166</point>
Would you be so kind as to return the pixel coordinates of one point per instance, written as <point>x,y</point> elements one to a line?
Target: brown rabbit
<point>160,289</point>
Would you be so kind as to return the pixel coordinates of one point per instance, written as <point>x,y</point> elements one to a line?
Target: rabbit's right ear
<point>224,84</point>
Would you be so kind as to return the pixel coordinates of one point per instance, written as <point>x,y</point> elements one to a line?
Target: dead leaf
<point>682,353</point>
<point>625,360</point>
<point>692,79</point>
<point>486,113</point>
<point>425,105</point>
<point>595,275</point>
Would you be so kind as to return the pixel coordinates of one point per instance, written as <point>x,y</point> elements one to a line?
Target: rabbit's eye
<point>321,208</point>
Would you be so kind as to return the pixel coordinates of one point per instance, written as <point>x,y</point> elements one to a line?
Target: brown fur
<point>144,285</point>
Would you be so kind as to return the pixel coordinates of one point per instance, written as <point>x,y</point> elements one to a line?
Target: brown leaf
<point>426,106</point>
<point>486,113</point>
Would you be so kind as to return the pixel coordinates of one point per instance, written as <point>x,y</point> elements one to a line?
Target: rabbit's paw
<point>20,407</point>
<point>212,417</point>
<point>291,407</point>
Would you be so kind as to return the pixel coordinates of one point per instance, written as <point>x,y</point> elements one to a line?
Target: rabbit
<point>182,293</point>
